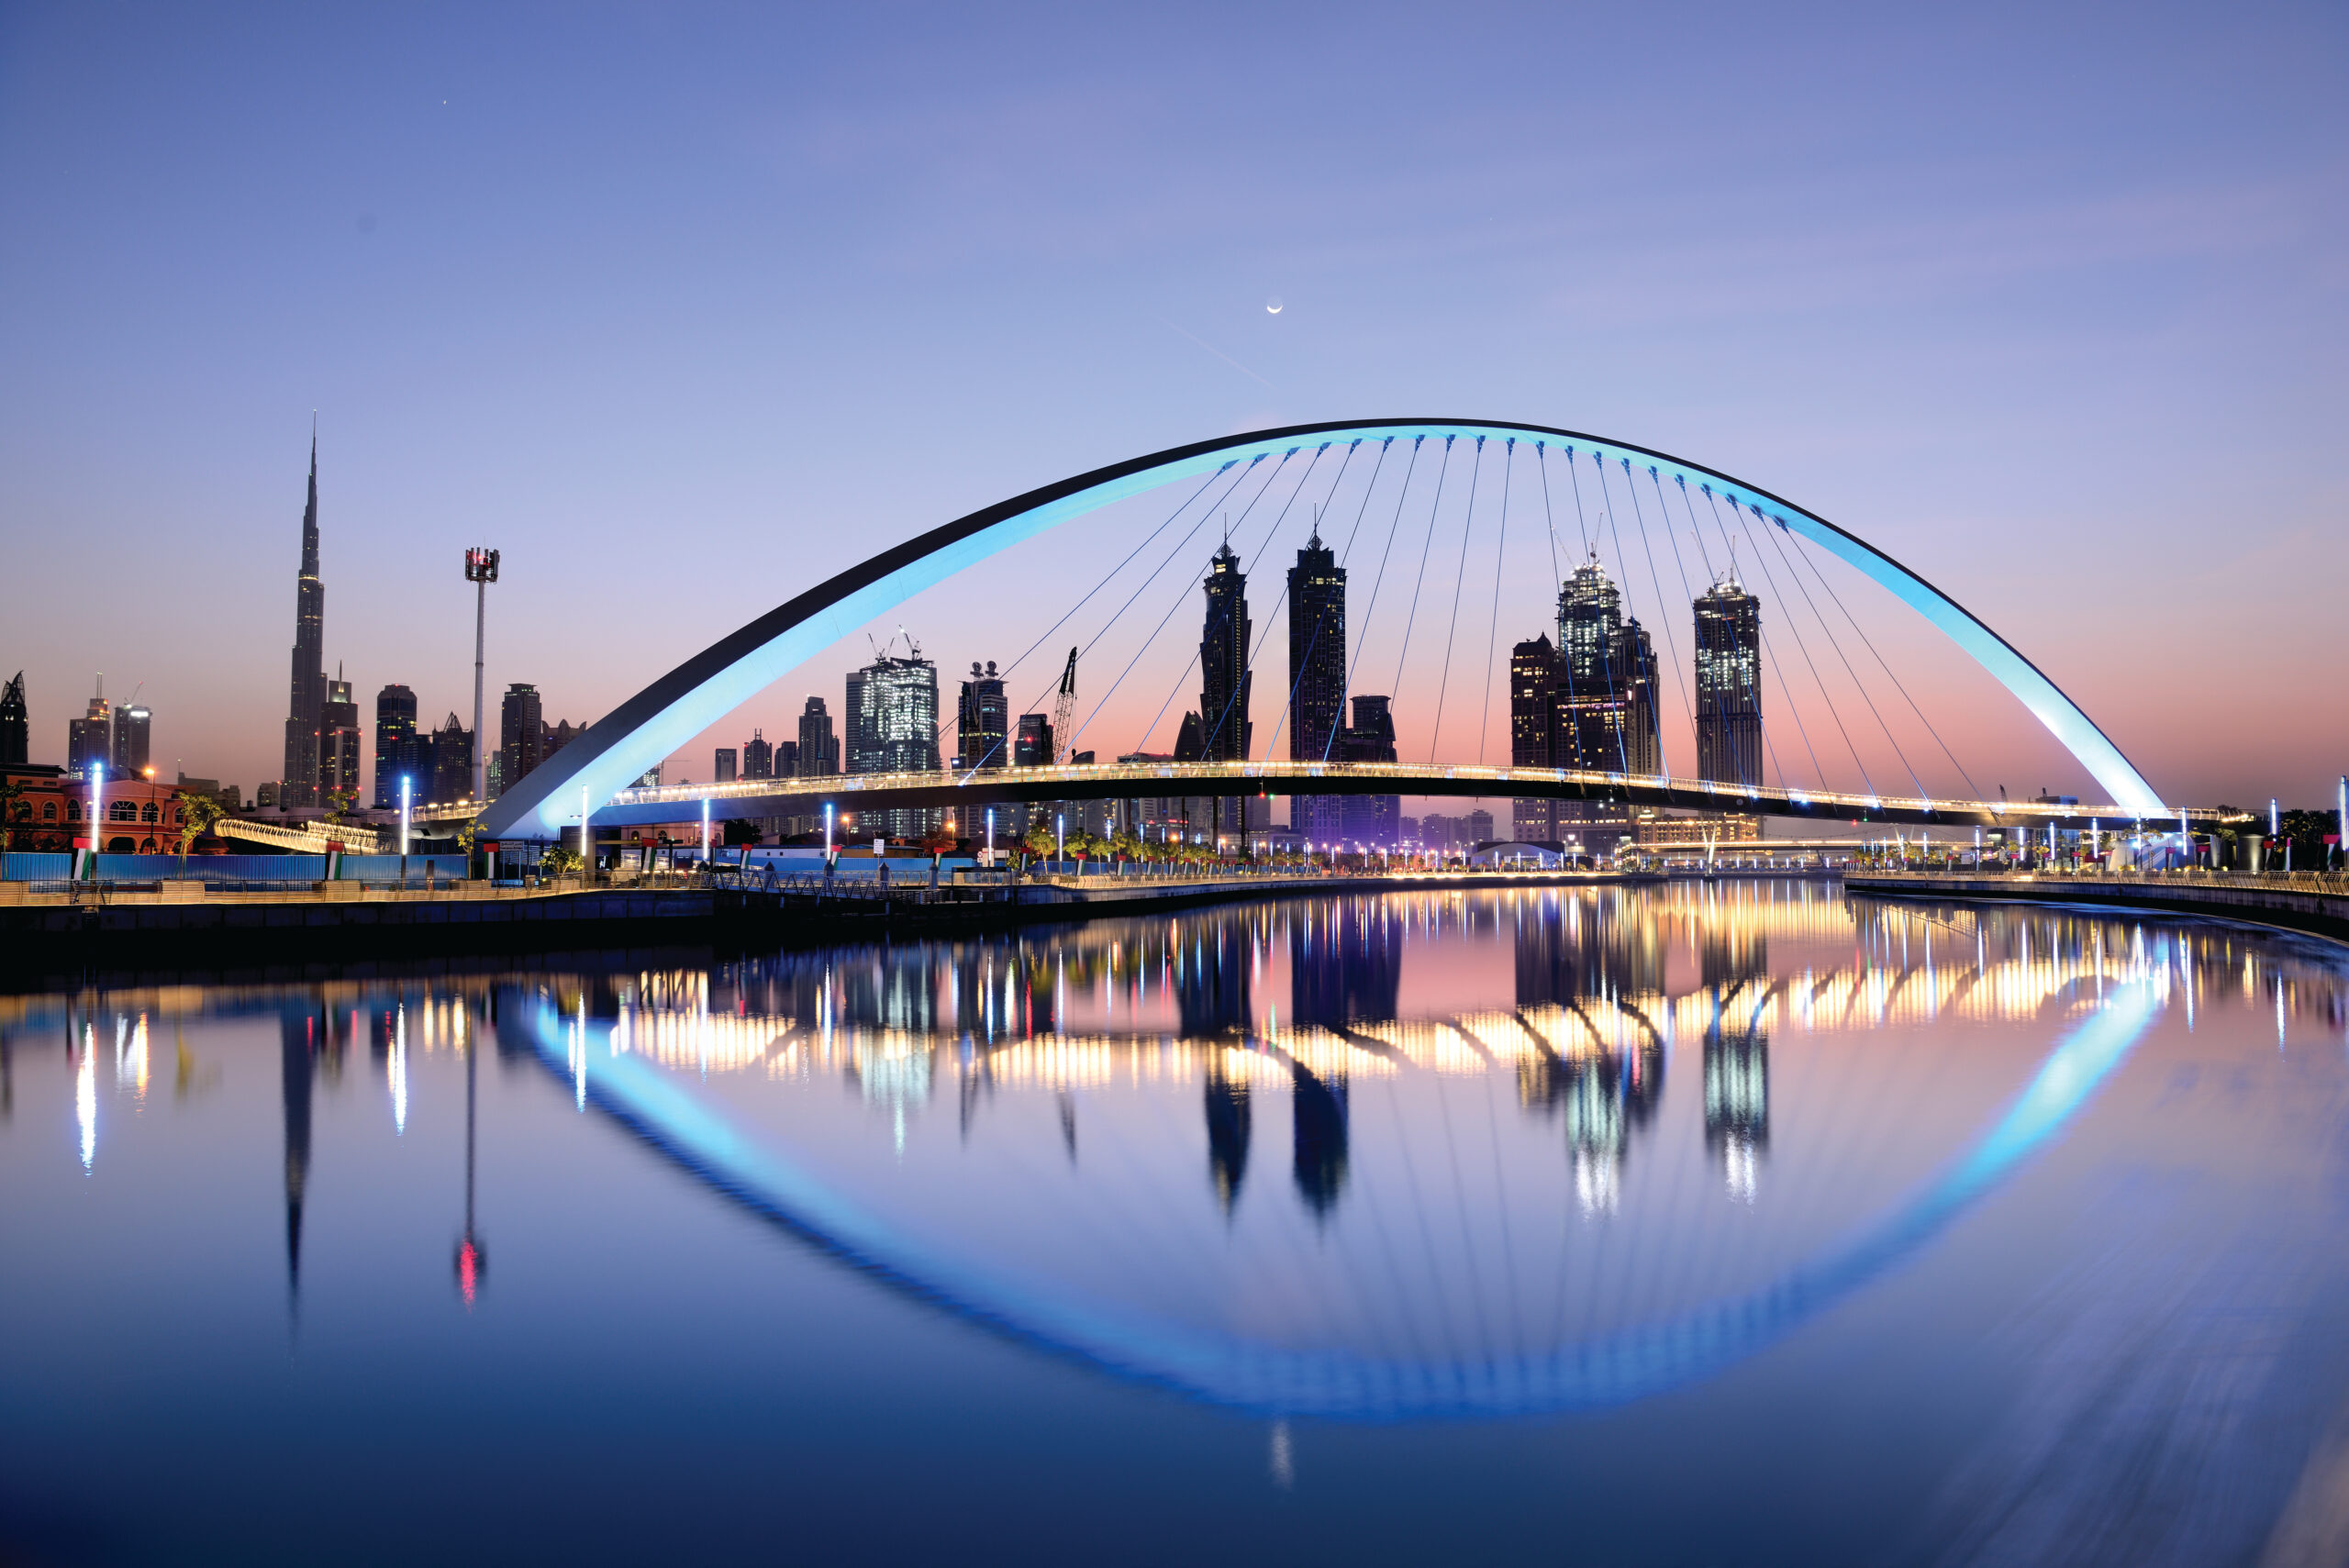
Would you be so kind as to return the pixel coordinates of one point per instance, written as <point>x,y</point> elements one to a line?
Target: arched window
<point>148,814</point>
<point>72,811</point>
<point>48,811</point>
<point>123,811</point>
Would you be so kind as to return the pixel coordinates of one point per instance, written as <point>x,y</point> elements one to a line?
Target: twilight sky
<point>685,308</point>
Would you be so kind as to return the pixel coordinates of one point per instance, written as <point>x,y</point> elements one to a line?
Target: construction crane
<point>1063,708</point>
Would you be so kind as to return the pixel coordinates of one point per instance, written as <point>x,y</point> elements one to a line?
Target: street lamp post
<point>97,814</point>
<point>480,570</point>
<point>705,830</point>
<point>404,819</point>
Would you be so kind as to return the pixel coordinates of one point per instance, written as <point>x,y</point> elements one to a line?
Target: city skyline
<point>2004,286</point>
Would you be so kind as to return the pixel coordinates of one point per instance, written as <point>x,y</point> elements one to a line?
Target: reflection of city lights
<point>85,1095</point>
<point>468,1271</point>
<point>395,1070</point>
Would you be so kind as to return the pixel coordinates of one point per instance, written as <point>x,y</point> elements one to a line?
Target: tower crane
<point>1064,707</point>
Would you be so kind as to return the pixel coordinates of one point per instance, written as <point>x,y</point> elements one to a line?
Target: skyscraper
<point>820,748</point>
<point>758,757</point>
<point>1533,711</point>
<point>983,722</point>
<point>16,724</point>
<point>452,762</point>
<point>725,764</point>
<point>300,785</point>
<point>395,748</point>
<point>1370,819</point>
<point>893,728</point>
<point>522,734</point>
<point>338,744</point>
<point>1224,682</point>
<point>89,739</point>
<point>1728,684</point>
<point>1033,748</point>
<point>1317,678</point>
<point>1606,716</point>
<point>134,732</point>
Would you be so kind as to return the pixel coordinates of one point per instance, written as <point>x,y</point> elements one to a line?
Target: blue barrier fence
<point>29,867</point>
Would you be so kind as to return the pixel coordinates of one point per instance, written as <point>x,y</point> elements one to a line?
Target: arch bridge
<point>594,775</point>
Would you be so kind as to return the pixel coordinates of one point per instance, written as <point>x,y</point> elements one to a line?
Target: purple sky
<point>686,309</point>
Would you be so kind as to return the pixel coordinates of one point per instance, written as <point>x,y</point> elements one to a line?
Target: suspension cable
<point>1492,636</point>
<point>1459,580</point>
<point>1362,637</point>
<point>1777,669</point>
<point>1906,765</point>
<point>1606,652</point>
<point>1895,679</point>
<point>1113,572</point>
<point>1179,600</point>
<point>1171,556</point>
<point>1248,669</point>
<point>1314,641</point>
<point>1421,581</point>
<point>1663,510</point>
<point>1832,643</point>
<point>1670,644</point>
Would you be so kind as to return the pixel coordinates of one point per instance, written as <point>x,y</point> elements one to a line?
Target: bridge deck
<point>1125,781</point>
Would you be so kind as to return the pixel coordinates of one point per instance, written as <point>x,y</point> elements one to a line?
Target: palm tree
<point>198,813</point>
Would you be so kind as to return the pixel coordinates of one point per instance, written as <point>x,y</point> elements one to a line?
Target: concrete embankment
<point>2309,902</point>
<point>175,926</point>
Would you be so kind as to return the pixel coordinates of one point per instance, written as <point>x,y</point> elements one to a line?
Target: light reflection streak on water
<point>85,1094</point>
<point>396,1070</point>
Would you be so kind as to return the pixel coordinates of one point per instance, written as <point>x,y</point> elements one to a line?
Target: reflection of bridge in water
<point>1073,1142</point>
<point>1609,985</point>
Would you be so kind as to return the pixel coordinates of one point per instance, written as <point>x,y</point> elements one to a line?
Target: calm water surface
<point>1731,1224</point>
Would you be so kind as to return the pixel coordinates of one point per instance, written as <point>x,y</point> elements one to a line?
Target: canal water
<point>1740,1222</point>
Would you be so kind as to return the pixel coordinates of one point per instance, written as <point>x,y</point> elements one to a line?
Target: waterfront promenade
<point>2316,902</point>
<point>46,930</point>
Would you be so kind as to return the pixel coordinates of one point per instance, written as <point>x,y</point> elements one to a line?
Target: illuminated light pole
<point>480,570</point>
<point>990,836</point>
<point>586,844</point>
<point>827,832</point>
<point>705,830</point>
<point>404,819</point>
<point>1059,837</point>
<point>97,815</point>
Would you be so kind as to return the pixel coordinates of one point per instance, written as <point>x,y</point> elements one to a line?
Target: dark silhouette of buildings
<point>982,722</point>
<point>89,739</point>
<point>1532,711</point>
<point>758,757</point>
<point>1345,965</point>
<point>522,734</point>
<point>339,743</point>
<point>15,723</point>
<point>1228,1127</point>
<point>1226,733</point>
<point>298,1046</point>
<point>1317,678</point>
<point>1585,702</point>
<point>1033,748</point>
<point>725,765</point>
<point>1371,819</point>
<point>134,735</point>
<point>451,759</point>
<point>396,750</point>
<point>304,715</point>
<point>1318,1131</point>
<point>1728,684</point>
<point>820,748</point>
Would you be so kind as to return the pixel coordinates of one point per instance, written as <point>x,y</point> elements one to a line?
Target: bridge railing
<point>1146,779</point>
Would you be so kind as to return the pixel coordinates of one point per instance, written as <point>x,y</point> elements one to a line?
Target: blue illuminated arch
<point>625,743</point>
<point>1236,1371</point>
